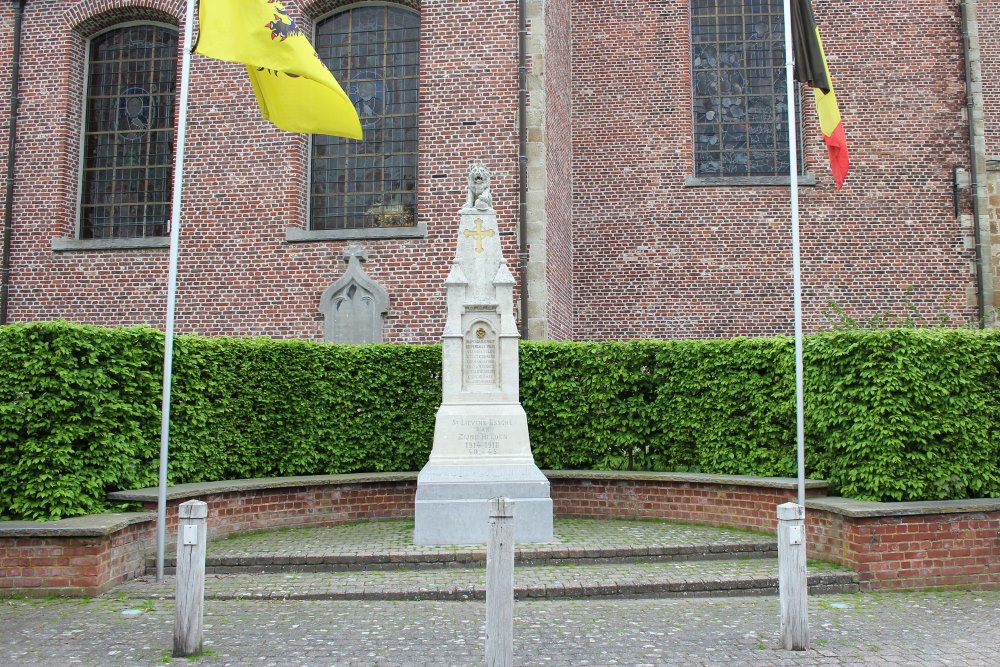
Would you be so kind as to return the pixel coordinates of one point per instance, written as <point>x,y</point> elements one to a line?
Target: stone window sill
<point>64,244</point>
<point>808,178</point>
<point>299,235</point>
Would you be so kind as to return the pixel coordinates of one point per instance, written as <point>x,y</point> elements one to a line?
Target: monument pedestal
<point>453,503</point>
<point>481,446</point>
<point>480,452</point>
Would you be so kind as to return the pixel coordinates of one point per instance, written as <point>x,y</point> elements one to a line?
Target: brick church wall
<point>559,162</point>
<point>246,182</point>
<point>657,259</point>
<point>641,255</point>
<point>988,14</point>
<point>6,51</point>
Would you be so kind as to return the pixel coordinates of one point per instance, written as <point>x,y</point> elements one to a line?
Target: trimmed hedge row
<point>895,414</point>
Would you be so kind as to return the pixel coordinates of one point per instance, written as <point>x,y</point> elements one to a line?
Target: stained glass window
<point>739,97</point>
<point>129,133</point>
<point>373,51</point>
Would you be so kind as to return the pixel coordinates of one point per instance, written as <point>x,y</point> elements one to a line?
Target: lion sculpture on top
<point>479,197</point>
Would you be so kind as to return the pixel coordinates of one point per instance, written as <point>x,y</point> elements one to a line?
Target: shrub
<point>897,414</point>
<point>904,414</point>
<point>79,416</point>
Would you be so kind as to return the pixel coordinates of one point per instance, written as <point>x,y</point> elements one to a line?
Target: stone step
<point>383,545</point>
<point>568,580</point>
<point>338,562</point>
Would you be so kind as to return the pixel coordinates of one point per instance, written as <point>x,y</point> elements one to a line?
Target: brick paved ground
<point>378,560</point>
<point>463,583</point>
<point>922,630</point>
<point>392,540</point>
<point>252,618</point>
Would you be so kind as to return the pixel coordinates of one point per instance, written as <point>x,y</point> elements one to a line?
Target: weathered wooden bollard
<point>500,585</point>
<point>792,582</point>
<point>192,534</point>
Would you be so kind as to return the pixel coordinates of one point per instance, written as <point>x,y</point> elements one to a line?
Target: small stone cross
<point>479,234</point>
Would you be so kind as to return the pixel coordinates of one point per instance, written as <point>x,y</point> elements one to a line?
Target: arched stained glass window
<point>128,141</point>
<point>373,51</point>
<point>739,98</point>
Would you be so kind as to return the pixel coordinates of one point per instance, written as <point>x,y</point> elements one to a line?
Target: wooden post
<point>792,583</point>
<point>192,534</point>
<point>500,585</point>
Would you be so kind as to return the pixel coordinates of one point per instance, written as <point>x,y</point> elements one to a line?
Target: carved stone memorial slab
<point>481,447</point>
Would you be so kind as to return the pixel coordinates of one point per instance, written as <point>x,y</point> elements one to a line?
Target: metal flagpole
<point>793,173</point>
<point>168,343</point>
<point>792,568</point>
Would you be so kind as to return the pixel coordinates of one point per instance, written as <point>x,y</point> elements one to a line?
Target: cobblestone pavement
<point>378,560</point>
<point>564,580</point>
<point>920,630</point>
<point>392,541</point>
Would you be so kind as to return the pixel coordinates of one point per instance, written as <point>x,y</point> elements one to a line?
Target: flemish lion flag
<point>294,88</point>
<point>811,69</point>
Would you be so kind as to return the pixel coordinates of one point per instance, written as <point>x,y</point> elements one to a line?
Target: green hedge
<point>890,415</point>
<point>905,414</point>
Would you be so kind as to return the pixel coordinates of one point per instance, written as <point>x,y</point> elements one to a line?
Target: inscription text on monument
<point>480,357</point>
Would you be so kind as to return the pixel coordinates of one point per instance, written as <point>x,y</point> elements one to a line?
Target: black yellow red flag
<point>811,69</point>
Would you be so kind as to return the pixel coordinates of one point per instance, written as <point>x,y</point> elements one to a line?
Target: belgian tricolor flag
<point>811,69</point>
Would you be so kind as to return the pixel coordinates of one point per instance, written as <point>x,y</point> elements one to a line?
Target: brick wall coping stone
<point>238,485</point>
<point>91,525</point>
<point>688,477</point>
<point>864,508</point>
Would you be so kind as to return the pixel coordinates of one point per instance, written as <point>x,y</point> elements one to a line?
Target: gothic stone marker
<point>354,307</point>
<point>481,448</point>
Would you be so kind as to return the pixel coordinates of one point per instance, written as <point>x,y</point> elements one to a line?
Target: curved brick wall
<point>952,544</point>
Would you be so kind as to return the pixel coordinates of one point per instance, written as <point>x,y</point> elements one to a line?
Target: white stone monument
<point>481,448</point>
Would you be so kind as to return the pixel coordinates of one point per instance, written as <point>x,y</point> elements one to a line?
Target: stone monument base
<point>452,502</point>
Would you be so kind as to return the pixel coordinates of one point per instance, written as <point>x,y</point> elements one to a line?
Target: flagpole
<point>168,343</point>
<point>793,179</point>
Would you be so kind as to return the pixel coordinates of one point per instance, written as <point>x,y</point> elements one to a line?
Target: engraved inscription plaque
<point>483,436</point>
<point>480,356</point>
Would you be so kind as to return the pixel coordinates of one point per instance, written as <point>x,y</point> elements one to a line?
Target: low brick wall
<point>734,501</point>
<point>937,544</point>
<point>953,544</point>
<point>79,556</point>
<point>288,502</point>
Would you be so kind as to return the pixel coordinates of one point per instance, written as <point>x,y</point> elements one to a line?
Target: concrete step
<point>339,562</point>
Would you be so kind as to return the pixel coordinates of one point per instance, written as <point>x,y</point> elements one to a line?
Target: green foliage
<point>80,412</point>
<point>898,414</point>
<point>79,416</point>
<point>587,403</point>
<point>902,414</point>
<point>727,406</point>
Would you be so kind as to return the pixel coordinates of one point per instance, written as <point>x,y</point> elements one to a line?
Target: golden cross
<point>479,234</point>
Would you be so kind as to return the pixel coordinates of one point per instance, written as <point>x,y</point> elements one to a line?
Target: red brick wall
<point>988,13</point>
<point>246,183</point>
<point>6,52</point>
<point>735,506</point>
<point>648,256</point>
<point>74,565</point>
<point>300,506</point>
<point>926,551</point>
<point>656,259</point>
<point>558,165</point>
<point>959,550</point>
